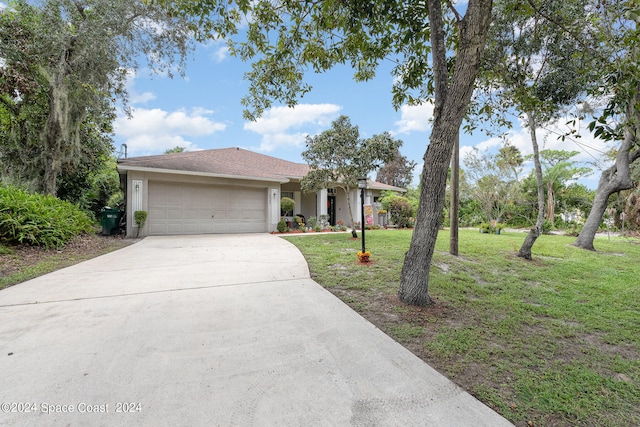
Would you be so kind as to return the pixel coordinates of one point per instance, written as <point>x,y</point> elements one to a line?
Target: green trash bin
<point>110,220</point>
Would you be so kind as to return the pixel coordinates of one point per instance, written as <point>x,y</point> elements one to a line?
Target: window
<point>288,194</point>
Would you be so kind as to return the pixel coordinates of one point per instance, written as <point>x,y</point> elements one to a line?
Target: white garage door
<point>176,208</point>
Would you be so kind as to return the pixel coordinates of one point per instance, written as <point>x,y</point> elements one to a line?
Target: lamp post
<point>362,184</point>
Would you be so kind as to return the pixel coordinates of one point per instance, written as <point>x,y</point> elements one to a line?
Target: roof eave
<point>126,168</point>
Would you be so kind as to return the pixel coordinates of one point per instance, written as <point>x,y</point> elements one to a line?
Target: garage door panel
<point>176,208</point>
<point>173,213</point>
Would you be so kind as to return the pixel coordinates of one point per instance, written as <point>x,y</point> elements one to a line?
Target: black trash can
<point>110,220</point>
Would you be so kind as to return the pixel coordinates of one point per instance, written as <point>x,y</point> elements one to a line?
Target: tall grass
<point>39,220</point>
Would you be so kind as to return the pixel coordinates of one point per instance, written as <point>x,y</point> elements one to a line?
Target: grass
<point>553,341</point>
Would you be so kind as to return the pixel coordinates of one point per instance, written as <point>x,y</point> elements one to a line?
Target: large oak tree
<point>619,32</point>
<point>64,64</point>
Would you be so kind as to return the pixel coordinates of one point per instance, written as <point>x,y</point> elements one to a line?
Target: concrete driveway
<point>224,330</point>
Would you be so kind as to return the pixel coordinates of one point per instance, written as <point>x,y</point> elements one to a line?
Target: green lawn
<point>553,341</point>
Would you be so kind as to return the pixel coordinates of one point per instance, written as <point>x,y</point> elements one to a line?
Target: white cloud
<point>288,127</point>
<point>151,131</point>
<point>217,49</point>
<point>220,54</point>
<point>136,98</point>
<point>414,118</point>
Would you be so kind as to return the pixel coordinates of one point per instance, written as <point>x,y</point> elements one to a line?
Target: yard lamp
<point>362,185</point>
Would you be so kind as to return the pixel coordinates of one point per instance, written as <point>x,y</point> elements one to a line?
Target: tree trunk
<point>347,190</point>
<point>452,96</point>
<point>550,203</point>
<point>455,196</point>
<point>536,230</point>
<point>52,139</point>
<point>614,179</point>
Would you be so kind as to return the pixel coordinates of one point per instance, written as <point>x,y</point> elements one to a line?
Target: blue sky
<point>203,111</point>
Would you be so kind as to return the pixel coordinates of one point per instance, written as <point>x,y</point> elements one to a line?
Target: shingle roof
<point>223,161</point>
<point>229,162</point>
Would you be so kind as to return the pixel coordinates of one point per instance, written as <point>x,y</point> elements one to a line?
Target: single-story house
<point>229,190</point>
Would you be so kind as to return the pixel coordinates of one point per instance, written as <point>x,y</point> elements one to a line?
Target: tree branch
<point>80,9</point>
<point>579,40</point>
<point>439,55</point>
<point>454,11</point>
<point>11,106</point>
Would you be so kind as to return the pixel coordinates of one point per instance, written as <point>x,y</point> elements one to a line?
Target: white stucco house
<point>229,190</point>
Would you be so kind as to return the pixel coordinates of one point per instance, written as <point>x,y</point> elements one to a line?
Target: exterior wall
<point>342,208</point>
<point>308,206</point>
<point>139,177</point>
<point>271,192</point>
<point>321,203</point>
<point>274,207</point>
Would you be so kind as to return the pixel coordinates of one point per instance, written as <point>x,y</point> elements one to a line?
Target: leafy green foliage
<point>39,220</point>
<point>558,168</point>
<point>338,157</point>
<point>400,209</point>
<point>495,186</point>
<point>95,184</point>
<point>176,149</point>
<point>287,205</point>
<point>64,65</point>
<point>397,172</point>
<point>140,217</point>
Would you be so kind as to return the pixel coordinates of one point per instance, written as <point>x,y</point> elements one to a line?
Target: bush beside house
<point>39,220</point>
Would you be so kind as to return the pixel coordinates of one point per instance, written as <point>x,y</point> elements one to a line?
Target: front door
<point>331,209</point>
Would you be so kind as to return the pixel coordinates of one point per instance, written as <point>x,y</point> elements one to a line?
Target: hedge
<point>39,220</point>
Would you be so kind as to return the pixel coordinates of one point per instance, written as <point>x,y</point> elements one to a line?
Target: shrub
<point>287,205</point>
<point>282,226</point>
<point>39,220</point>
<point>312,222</point>
<point>573,229</point>
<point>491,227</point>
<point>140,217</point>
<point>340,226</point>
<point>401,211</point>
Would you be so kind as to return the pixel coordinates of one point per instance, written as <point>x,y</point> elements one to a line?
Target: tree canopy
<point>338,157</point>
<point>397,172</point>
<point>65,63</point>
<point>619,80</point>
